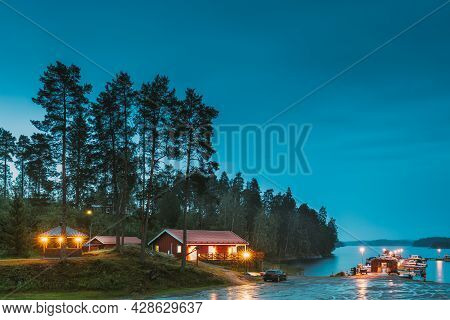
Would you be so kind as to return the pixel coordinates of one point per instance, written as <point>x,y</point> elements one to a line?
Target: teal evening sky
<point>379,148</point>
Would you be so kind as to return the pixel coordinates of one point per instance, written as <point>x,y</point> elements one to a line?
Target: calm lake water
<point>346,257</point>
<point>316,284</point>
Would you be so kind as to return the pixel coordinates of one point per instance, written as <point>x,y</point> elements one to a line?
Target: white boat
<point>406,274</point>
<point>414,262</point>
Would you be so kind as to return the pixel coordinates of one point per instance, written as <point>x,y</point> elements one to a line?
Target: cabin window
<point>211,249</point>
<point>178,249</point>
<point>232,250</point>
<point>156,248</point>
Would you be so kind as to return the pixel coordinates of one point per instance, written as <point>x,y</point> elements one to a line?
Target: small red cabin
<point>108,242</point>
<point>201,244</point>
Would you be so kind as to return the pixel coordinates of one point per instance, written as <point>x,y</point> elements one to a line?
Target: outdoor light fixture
<point>362,249</point>
<point>44,240</point>
<point>89,212</point>
<point>246,255</point>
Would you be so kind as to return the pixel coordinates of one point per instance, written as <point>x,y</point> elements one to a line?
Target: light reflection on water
<point>361,285</point>
<point>439,272</point>
<point>347,257</point>
<point>316,284</point>
<point>317,288</point>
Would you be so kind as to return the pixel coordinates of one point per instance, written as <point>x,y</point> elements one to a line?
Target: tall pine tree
<point>61,94</point>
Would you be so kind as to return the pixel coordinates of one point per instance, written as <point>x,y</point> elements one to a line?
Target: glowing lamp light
<point>60,239</point>
<point>362,249</point>
<point>44,240</point>
<point>439,250</point>
<point>89,212</point>
<point>246,255</point>
<point>78,239</point>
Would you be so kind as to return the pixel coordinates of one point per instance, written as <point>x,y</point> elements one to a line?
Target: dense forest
<point>139,159</point>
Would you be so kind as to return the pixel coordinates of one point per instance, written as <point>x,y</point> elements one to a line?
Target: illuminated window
<point>211,249</point>
<point>156,248</point>
<point>178,249</point>
<point>232,250</point>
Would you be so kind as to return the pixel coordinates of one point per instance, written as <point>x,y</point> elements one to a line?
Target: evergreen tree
<point>7,152</point>
<point>125,101</point>
<point>15,231</point>
<point>79,164</point>
<point>193,122</point>
<point>23,146</point>
<point>61,95</point>
<point>156,100</point>
<point>40,166</point>
<point>252,206</point>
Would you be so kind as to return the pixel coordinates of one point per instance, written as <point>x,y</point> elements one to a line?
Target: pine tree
<point>40,166</point>
<point>7,152</point>
<point>23,145</point>
<point>61,94</point>
<point>14,229</point>
<point>193,122</point>
<point>156,100</point>
<point>125,100</point>
<point>79,164</point>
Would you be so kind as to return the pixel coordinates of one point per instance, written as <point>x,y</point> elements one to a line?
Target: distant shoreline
<point>430,242</point>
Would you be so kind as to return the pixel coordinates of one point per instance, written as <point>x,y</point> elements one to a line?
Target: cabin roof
<point>204,237</point>
<point>112,240</point>
<point>56,232</point>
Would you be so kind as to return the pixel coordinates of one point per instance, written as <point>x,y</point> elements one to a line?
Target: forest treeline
<point>115,156</point>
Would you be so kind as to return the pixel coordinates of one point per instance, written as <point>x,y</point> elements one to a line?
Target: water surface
<point>316,284</point>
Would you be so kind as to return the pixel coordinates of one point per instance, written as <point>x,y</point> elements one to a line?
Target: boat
<point>406,274</point>
<point>447,258</point>
<point>414,262</point>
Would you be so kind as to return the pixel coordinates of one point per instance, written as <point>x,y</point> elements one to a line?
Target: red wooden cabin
<point>108,242</point>
<point>201,244</point>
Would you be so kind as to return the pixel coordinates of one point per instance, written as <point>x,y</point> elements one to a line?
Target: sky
<point>379,144</point>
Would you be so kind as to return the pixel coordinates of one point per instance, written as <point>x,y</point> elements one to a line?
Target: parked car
<point>275,275</point>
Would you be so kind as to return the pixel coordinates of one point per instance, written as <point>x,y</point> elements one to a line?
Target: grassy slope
<point>106,275</point>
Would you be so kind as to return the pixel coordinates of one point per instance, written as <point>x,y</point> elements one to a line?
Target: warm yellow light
<point>89,212</point>
<point>44,239</point>
<point>246,255</point>
<point>60,239</point>
<point>78,239</point>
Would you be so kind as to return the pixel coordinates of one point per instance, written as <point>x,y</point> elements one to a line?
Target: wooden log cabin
<point>201,244</point>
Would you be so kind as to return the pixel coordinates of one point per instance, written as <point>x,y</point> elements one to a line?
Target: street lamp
<point>89,212</point>
<point>362,249</point>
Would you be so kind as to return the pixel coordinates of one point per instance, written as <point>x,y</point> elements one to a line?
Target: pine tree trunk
<point>64,184</point>
<point>115,212</point>
<point>22,178</point>
<point>186,191</point>
<point>5,193</point>
<point>143,209</point>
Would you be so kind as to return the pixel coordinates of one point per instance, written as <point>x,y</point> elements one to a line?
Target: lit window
<point>156,248</point>
<point>232,250</point>
<point>211,249</point>
<point>178,249</point>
